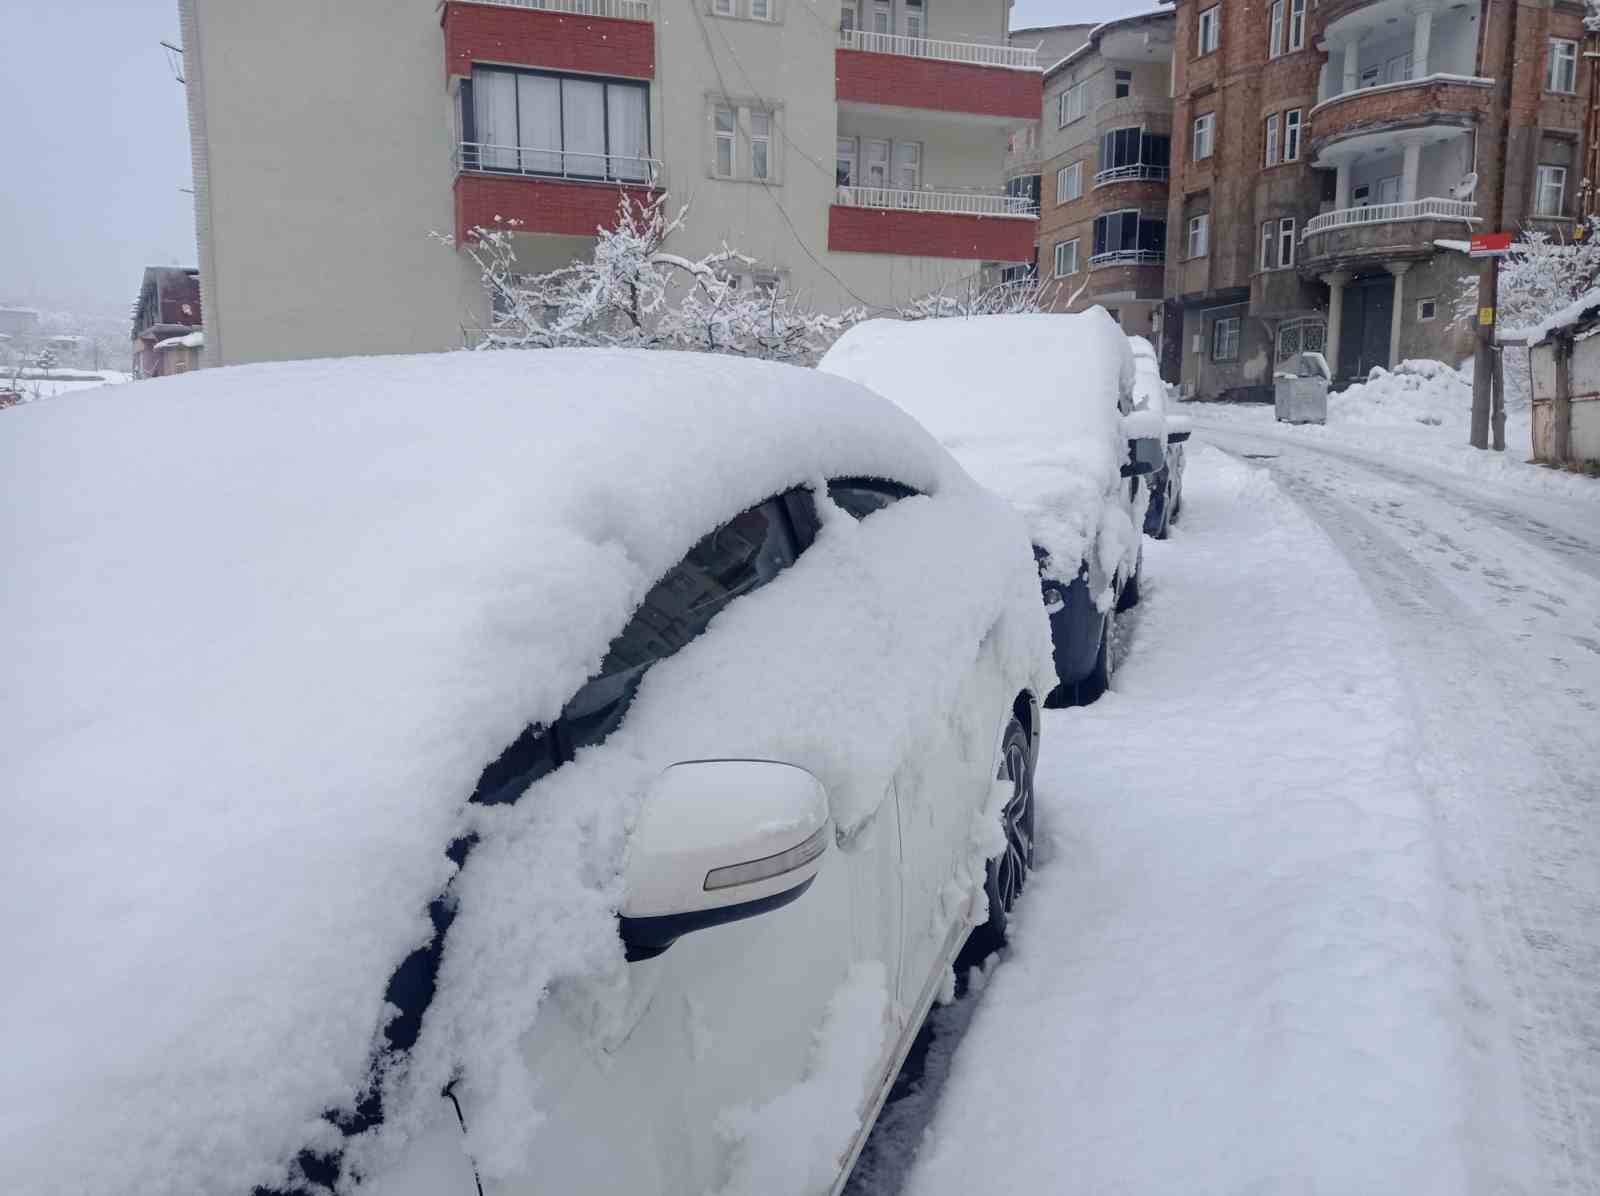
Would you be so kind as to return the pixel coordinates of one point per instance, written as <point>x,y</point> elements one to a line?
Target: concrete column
<point>1341,185</point>
<point>1398,269</point>
<point>1352,66</point>
<point>1336,282</point>
<point>1408,173</point>
<point>1421,33</point>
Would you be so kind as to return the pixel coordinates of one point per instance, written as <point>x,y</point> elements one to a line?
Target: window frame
<point>1293,130</point>
<point>1207,120</point>
<point>1286,242</point>
<point>764,143</point>
<point>1225,330</point>
<point>1073,171</point>
<point>1064,103</point>
<point>1297,25</point>
<point>1540,185</point>
<point>1209,31</point>
<point>1268,244</point>
<point>1275,29</point>
<point>467,110</point>
<point>1429,302</point>
<point>730,135</point>
<point>1198,224</point>
<point>1121,84</point>
<point>1272,149</point>
<point>1059,254</point>
<point>1555,59</point>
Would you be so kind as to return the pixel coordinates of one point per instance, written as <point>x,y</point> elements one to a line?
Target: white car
<point>544,772</point>
<point>1165,484</point>
<point>1040,409</point>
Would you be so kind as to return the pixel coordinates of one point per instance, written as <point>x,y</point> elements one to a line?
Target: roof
<point>1099,31</point>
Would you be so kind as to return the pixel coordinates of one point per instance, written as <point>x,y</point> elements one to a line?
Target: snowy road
<point>1319,908</point>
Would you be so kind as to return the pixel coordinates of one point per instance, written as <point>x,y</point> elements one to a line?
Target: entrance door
<point>1364,328</point>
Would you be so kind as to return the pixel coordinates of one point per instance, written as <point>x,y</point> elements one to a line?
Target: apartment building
<point>856,152</point>
<point>1322,152</point>
<point>1105,144</point>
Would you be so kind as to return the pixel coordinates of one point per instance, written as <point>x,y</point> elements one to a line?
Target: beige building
<point>857,153</point>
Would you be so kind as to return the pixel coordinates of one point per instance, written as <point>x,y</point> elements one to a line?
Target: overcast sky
<point>94,147</point>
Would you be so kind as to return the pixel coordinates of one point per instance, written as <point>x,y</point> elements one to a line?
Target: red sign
<point>1489,245</point>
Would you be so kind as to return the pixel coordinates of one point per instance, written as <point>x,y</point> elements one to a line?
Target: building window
<point>726,156</point>
<point>1133,153</point>
<point>1297,24</point>
<point>847,18</point>
<point>1551,196</point>
<point>875,162</point>
<point>1225,339</point>
<point>1199,235</point>
<point>1562,74</point>
<point>1066,258</point>
<point>1286,242</point>
<point>723,8</point>
<point>1069,182</point>
<point>1398,68</point>
<point>1129,236</point>
<point>540,123</point>
<point>1204,127</point>
<point>1269,242</point>
<point>1123,85</point>
<point>1371,76</point>
<point>844,162</point>
<point>1427,309</point>
<point>1272,140</point>
<point>1070,103</point>
<point>908,165</point>
<point>761,145</point>
<point>1275,30</point>
<point>1291,135</point>
<point>911,18</point>
<point>1210,29</point>
<point>1301,336</point>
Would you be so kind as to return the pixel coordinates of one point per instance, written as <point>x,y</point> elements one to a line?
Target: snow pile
<point>793,1145</point>
<point>1028,404</point>
<point>192,340</point>
<point>263,627</point>
<point>1416,391</point>
<point>1232,972</point>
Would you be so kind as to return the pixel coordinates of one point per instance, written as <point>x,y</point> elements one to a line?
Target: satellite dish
<point>1465,188</point>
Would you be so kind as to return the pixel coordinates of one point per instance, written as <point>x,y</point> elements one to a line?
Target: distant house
<point>18,322</point>
<point>168,310</point>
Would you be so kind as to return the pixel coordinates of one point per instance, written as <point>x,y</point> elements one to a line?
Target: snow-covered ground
<point>1319,900</point>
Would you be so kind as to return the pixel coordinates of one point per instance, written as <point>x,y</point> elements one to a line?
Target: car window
<point>862,496</point>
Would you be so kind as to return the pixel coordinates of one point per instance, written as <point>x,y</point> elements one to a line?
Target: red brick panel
<point>1129,193</point>
<point>550,40</point>
<point>898,81</point>
<point>1426,103</point>
<point>556,206</point>
<point>930,234</point>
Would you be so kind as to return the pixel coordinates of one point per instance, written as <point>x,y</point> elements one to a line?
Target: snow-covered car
<point>1166,484</point>
<point>1040,409</point>
<point>557,772</point>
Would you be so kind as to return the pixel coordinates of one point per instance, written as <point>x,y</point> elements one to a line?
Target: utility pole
<point>1483,372</point>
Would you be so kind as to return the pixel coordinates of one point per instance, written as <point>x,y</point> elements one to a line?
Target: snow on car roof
<point>1027,403</point>
<point>263,627</point>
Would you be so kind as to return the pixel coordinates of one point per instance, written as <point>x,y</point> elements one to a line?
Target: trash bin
<point>1300,394</point>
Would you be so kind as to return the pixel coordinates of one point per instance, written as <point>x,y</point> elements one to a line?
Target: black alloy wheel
<point>1006,874</point>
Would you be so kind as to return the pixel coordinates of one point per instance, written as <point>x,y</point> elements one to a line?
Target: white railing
<point>1123,174</point>
<point>622,10</point>
<point>1386,213</point>
<point>1127,257</point>
<point>975,53</point>
<point>962,203</point>
<point>557,164</point>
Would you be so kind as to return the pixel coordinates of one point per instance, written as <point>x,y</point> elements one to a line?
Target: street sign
<point>1489,245</point>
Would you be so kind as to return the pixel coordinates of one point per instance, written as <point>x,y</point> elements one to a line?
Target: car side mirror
<point>1145,455</point>
<point>1177,437</point>
<point>717,841</point>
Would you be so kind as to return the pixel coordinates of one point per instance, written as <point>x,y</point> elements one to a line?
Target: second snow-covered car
<point>1166,483</point>
<point>1040,409</point>
<point>529,772</point>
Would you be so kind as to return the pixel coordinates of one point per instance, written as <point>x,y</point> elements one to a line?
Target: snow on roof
<point>1093,38</point>
<point>192,340</point>
<point>1581,308</point>
<point>263,628</point>
<point>1028,404</point>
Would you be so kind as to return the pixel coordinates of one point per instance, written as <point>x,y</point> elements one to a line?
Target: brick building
<point>1105,145</point>
<point>167,311</point>
<point>1321,151</point>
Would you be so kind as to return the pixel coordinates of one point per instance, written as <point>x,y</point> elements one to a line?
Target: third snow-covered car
<point>564,772</point>
<point>1040,409</point>
<point>1166,483</point>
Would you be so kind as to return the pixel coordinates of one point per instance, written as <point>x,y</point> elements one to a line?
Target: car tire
<point>1099,679</point>
<point>1005,875</point>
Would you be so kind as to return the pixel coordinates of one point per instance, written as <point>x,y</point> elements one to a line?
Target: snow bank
<point>1028,404</point>
<point>1232,972</point>
<point>192,340</point>
<point>264,627</point>
<point>1564,317</point>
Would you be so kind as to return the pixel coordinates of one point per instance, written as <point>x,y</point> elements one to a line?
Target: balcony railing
<point>1127,257</point>
<point>973,53</point>
<point>961,203</point>
<point>1123,174</point>
<point>1385,213</point>
<point>557,164</point>
<point>622,10</point>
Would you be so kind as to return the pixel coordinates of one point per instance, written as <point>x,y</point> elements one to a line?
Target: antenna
<point>174,60</point>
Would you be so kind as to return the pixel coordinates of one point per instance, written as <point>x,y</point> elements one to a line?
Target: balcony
<point>1127,257</point>
<point>1372,234</point>
<point>1446,101</point>
<point>1141,172</point>
<point>550,192</point>
<point>598,37</point>
<point>890,70</point>
<point>1390,213</point>
<point>967,225</point>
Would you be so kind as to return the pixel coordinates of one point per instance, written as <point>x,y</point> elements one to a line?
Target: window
<point>1066,258</point>
<point>844,162</point>
<point>1133,153</point>
<point>908,165</point>
<point>1562,74</point>
<point>761,10</point>
<point>1291,135</point>
<point>875,155</point>
<point>1427,309</point>
<point>727,158</point>
<point>723,8</point>
<point>1551,193</point>
<point>1269,242</point>
<point>1200,235</point>
<point>1275,30</point>
<point>847,18</point>
<point>1203,140</point>
<point>1361,196</point>
<point>1225,339</point>
<point>1069,182</point>
<point>911,18</point>
<point>1272,140</point>
<point>1129,232</point>
<point>881,18</point>
<point>1297,24</point>
<point>1397,69</point>
<point>862,496</point>
<point>1210,29</point>
<point>1389,189</point>
<point>1371,76</point>
<point>540,123</point>
<point>760,145</point>
<point>1070,104</point>
<point>1122,85</point>
<point>1301,336</point>
<point>1286,241</point>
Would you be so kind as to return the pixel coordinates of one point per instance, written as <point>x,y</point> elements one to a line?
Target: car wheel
<point>1005,875</point>
<point>1128,598</point>
<point>1099,678</point>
